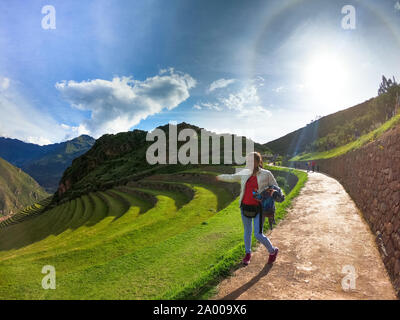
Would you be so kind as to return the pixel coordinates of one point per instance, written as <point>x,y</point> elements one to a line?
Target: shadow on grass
<point>77,213</point>
<point>65,217</point>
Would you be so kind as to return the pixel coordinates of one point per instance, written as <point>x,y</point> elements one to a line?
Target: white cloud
<point>220,83</point>
<point>4,83</point>
<point>397,6</point>
<point>121,103</point>
<point>38,140</point>
<point>241,102</point>
<point>260,126</point>
<point>207,105</point>
<point>241,112</point>
<point>19,119</point>
<point>244,102</point>
<point>75,130</point>
<point>279,89</point>
<point>258,81</point>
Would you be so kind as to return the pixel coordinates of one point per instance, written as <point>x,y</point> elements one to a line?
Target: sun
<point>326,76</point>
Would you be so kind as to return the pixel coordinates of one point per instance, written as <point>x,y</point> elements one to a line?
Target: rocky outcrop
<point>63,187</point>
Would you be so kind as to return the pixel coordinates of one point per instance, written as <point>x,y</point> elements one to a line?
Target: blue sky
<point>257,68</point>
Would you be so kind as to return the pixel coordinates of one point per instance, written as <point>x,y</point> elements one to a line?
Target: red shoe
<point>272,256</point>
<point>246,259</point>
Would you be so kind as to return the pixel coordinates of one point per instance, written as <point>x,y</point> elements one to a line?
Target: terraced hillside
<point>166,236</point>
<point>118,158</point>
<point>17,189</point>
<point>29,212</point>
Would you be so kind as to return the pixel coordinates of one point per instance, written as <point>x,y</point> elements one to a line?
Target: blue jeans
<point>259,235</point>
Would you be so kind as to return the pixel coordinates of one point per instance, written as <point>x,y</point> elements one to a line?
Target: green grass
<point>369,137</point>
<point>115,245</point>
<point>204,286</point>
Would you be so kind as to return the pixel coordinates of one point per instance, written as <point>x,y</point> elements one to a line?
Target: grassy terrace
<point>26,213</point>
<point>116,244</point>
<point>369,137</point>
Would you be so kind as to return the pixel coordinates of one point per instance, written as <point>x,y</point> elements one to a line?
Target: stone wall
<point>371,176</point>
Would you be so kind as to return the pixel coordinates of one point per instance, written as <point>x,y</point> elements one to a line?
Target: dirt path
<point>322,233</point>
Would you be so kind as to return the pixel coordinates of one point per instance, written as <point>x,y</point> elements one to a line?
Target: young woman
<point>253,178</point>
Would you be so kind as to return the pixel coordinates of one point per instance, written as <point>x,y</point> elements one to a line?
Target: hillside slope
<point>45,164</point>
<point>167,236</point>
<point>339,128</point>
<point>17,189</point>
<point>351,146</point>
<point>117,158</point>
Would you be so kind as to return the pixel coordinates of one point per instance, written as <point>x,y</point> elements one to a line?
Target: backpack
<point>267,201</point>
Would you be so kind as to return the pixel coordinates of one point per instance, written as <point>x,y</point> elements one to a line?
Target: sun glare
<point>325,77</point>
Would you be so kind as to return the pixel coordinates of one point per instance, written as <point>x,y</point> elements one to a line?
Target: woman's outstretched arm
<point>236,177</point>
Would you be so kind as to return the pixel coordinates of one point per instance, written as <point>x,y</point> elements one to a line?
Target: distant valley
<point>46,164</point>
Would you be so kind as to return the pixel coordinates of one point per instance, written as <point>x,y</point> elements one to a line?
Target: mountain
<point>17,189</point>
<point>115,158</point>
<point>45,164</point>
<point>339,128</point>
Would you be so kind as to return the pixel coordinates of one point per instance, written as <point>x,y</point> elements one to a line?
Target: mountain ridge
<point>45,164</point>
<point>117,158</point>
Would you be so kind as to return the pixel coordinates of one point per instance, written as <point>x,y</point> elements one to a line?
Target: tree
<point>386,84</point>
